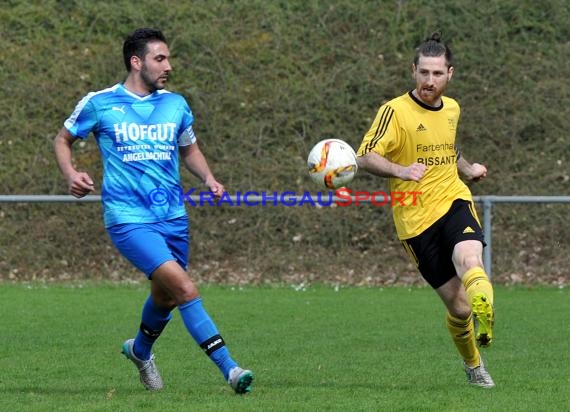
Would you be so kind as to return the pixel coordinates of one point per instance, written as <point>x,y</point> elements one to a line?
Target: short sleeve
<point>187,137</point>
<point>83,120</point>
<point>383,137</point>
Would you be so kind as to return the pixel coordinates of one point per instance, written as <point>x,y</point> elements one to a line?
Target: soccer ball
<point>332,163</point>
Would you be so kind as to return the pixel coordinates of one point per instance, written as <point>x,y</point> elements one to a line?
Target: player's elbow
<point>363,162</point>
<point>63,138</point>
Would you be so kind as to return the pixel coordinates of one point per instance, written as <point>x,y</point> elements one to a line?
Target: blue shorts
<point>149,245</point>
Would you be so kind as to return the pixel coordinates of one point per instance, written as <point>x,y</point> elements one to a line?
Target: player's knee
<point>165,302</point>
<point>187,292</point>
<point>469,261</point>
<point>461,312</point>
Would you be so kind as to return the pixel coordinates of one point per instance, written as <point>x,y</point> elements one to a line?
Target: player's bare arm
<point>380,166</point>
<point>196,163</point>
<point>79,183</point>
<point>471,171</point>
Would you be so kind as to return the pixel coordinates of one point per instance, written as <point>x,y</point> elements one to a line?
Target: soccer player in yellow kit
<point>412,142</point>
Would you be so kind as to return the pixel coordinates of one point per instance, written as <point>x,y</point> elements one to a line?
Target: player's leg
<point>433,258</point>
<point>155,316</point>
<point>139,350</point>
<point>468,262</point>
<point>459,323</point>
<point>438,271</point>
<point>196,319</point>
<point>465,235</point>
<point>173,279</point>
<point>459,320</point>
<point>145,248</point>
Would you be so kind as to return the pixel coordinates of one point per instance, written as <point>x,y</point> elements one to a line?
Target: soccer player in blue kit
<point>142,131</point>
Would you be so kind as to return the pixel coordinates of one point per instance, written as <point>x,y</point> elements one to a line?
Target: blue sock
<point>154,320</point>
<point>202,328</point>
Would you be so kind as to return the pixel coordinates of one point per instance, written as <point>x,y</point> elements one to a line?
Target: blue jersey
<point>138,138</point>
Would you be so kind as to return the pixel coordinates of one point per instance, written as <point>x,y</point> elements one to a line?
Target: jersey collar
<point>423,105</point>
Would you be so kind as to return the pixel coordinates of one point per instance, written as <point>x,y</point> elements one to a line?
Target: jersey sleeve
<point>383,137</point>
<point>187,137</point>
<point>83,120</point>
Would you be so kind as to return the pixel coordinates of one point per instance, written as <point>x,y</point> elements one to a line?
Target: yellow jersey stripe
<point>410,252</point>
<point>474,212</point>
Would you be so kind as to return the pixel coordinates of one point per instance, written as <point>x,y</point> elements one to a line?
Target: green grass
<point>311,349</point>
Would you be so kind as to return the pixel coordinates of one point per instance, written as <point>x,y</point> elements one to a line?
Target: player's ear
<point>136,62</point>
<point>450,71</point>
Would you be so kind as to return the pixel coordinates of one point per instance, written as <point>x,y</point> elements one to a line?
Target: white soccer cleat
<point>148,372</point>
<point>240,380</point>
<point>479,376</point>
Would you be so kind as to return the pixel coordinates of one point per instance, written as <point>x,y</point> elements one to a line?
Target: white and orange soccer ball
<point>332,164</point>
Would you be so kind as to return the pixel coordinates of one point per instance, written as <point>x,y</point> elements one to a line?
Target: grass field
<point>312,349</point>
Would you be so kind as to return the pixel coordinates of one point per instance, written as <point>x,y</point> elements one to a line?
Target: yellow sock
<point>475,281</point>
<point>463,334</point>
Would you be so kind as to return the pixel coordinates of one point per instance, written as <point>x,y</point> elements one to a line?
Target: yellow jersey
<point>407,131</point>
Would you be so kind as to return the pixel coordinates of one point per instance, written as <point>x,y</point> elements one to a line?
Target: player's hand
<point>80,184</point>
<point>478,172</point>
<point>414,172</point>
<point>215,187</point>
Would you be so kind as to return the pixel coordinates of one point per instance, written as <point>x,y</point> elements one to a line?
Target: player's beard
<point>431,95</point>
<point>151,83</point>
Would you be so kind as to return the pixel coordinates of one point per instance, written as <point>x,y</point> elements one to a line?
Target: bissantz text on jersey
<point>437,160</point>
<point>135,132</point>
